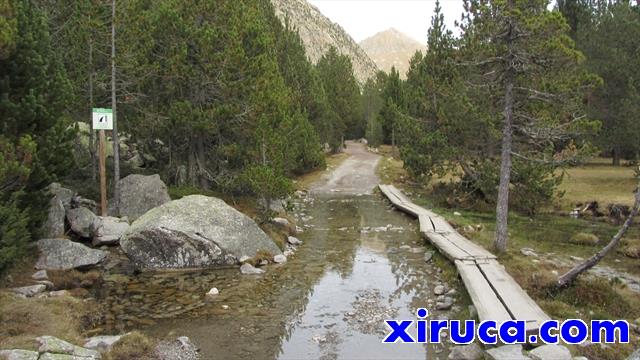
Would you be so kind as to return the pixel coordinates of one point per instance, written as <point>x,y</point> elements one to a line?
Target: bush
<point>14,233</point>
<point>134,345</point>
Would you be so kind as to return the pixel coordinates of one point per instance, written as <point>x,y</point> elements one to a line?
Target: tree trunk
<point>616,155</point>
<point>572,274</point>
<point>502,207</point>
<point>92,142</point>
<point>116,138</point>
<point>202,176</point>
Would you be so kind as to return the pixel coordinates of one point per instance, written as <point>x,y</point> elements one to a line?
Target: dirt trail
<point>356,175</point>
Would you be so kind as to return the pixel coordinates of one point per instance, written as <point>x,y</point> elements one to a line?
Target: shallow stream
<point>361,263</point>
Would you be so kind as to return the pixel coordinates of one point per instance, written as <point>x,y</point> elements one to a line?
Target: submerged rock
<point>63,254</point>
<point>466,352</point>
<point>248,269</point>
<point>139,194</point>
<point>195,231</point>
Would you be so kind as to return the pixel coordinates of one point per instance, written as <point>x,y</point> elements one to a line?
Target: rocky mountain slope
<point>319,33</point>
<point>391,48</point>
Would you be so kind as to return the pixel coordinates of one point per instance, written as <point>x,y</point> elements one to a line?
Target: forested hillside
<point>214,95</point>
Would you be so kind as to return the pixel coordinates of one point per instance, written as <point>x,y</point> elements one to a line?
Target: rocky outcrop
<point>18,354</point>
<point>63,254</point>
<point>139,194</point>
<point>319,34</point>
<point>29,291</point>
<point>109,230</point>
<point>392,48</point>
<point>195,231</point>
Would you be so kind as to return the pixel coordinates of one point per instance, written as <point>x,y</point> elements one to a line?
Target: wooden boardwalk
<point>493,291</point>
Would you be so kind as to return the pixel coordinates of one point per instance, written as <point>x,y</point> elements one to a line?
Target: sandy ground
<point>356,175</point>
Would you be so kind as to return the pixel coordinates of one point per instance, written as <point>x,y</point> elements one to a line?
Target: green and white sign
<point>102,119</point>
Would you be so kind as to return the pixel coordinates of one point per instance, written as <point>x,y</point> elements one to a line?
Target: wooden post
<point>103,175</point>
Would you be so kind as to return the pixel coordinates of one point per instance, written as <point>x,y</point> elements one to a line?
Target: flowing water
<point>361,263</point>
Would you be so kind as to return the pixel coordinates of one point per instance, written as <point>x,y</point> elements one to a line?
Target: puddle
<point>328,301</point>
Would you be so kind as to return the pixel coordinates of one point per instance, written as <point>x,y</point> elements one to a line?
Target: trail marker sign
<point>102,119</point>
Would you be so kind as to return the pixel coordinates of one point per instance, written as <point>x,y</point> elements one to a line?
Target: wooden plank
<point>446,247</point>
<point>516,300</point>
<point>472,248</point>
<point>441,225</point>
<point>425,223</point>
<point>487,304</point>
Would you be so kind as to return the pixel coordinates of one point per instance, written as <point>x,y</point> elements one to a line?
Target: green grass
<point>598,181</point>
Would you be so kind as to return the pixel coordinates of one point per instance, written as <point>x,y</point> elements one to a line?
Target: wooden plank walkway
<point>495,294</point>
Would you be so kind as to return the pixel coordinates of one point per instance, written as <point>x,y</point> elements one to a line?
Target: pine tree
<point>530,65</point>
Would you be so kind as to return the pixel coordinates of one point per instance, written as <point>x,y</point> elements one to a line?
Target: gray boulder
<point>466,352</point>
<point>17,354</point>
<point>109,230</point>
<point>54,224</point>
<point>635,355</point>
<point>63,194</point>
<point>507,352</point>
<point>29,291</point>
<point>82,221</point>
<point>50,344</point>
<point>139,194</point>
<point>63,254</point>
<point>555,352</point>
<point>102,343</point>
<point>195,231</point>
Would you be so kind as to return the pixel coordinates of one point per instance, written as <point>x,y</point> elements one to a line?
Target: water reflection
<point>360,263</point>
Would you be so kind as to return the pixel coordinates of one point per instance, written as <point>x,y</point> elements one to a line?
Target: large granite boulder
<point>195,231</point>
<point>82,221</point>
<point>63,254</point>
<point>139,194</point>
<point>108,230</point>
<point>63,194</point>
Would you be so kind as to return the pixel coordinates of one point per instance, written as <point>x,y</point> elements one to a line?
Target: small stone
<point>213,292</point>
<point>58,293</point>
<point>30,291</point>
<point>244,259</point>
<point>46,283</point>
<point>280,221</point>
<point>248,269</point>
<point>102,343</point>
<point>417,250</point>
<point>507,352</point>
<point>439,290</point>
<point>528,252</point>
<point>452,292</point>
<point>225,307</point>
<point>457,213</point>
<point>40,275</point>
<point>428,256</point>
<point>264,262</point>
<point>445,304</point>
<point>576,258</point>
<point>280,259</point>
<point>294,241</point>
<point>405,247</point>
<point>466,352</point>
<point>556,352</point>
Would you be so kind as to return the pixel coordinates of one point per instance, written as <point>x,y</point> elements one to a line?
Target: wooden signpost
<point>102,120</point>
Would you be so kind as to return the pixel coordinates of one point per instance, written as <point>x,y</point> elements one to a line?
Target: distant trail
<point>356,175</point>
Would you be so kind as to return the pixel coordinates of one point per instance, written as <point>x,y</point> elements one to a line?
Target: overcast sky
<point>364,18</point>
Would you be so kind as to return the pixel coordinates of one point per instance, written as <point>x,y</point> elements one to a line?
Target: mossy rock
<point>584,239</point>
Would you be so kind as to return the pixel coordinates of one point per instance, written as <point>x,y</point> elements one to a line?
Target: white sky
<point>364,18</point>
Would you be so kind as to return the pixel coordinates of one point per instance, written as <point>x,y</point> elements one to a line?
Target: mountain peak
<point>390,48</point>
<point>319,33</point>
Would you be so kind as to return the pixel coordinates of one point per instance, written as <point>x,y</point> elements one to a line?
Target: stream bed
<point>361,263</point>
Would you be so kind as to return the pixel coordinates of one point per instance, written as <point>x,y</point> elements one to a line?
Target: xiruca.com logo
<point>570,331</point>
